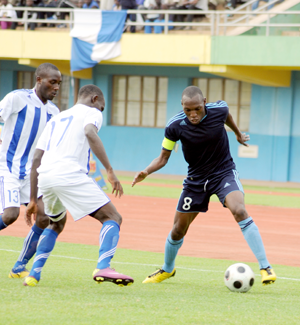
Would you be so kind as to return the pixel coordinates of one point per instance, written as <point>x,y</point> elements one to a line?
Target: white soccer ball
<point>239,277</point>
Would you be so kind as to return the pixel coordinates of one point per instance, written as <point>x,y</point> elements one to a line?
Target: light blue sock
<point>171,250</point>
<point>108,240</point>
<point>2,224</point>
<point>29,248</point>
<point>253,238</point>
<point>44,248</point>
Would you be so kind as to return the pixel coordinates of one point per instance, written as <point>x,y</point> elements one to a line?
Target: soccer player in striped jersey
<point>60,166</point>
<point>211,170</point>
<point>25,113</point>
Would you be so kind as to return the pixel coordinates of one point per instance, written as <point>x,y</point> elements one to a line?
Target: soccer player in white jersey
<point>60,168</point>
<point>25,113</point>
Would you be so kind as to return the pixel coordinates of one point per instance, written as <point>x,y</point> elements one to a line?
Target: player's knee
<point>117,218</point>
<point>240,214</point>
<point>10,215</point>
<point>42,221</point>
<point>177,233</point>
<point>58,226</point>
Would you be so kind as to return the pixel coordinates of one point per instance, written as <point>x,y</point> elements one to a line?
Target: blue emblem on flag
<point>95,37</point>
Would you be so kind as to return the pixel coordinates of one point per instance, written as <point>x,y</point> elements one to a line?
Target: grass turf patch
<point>196,295</point>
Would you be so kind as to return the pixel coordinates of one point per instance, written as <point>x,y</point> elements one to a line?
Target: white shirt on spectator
<point>7,11</point>
<point>150,4</point>
<point>202,4</point>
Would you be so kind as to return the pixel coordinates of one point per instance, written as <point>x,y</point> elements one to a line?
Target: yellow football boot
<point>159,276</point>
<point>22,274</point>
<point>268,276</point>
<point>30,281</point>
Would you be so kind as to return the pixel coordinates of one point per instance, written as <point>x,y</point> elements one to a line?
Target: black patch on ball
<point>227,275</point>
<point>251,282</point>
<point>237,284</point>
<point>241,269</point>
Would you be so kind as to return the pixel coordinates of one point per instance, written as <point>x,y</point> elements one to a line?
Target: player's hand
<point>31,210</point>
<point>139,177</point>
<point>242,138</point>
<point>116,185</point>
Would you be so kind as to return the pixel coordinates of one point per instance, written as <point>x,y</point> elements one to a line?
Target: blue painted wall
<point>274,127</point>
<point>8,76</point>
<point>270,125</point>
<point>274,123</point>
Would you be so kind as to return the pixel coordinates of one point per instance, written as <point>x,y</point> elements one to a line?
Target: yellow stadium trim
<point>168,144</point>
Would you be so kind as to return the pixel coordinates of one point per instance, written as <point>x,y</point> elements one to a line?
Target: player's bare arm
<point>241,137</point>
<point>98,149</point>
<point>155,165</point>
<point>32,208</point>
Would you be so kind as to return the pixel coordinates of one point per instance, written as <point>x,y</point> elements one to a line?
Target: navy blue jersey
<point>205,146</point>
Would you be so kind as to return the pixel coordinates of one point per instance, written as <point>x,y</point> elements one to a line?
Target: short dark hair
<point>192,91</point>
<point>42,69</point>
<point>90,90</point>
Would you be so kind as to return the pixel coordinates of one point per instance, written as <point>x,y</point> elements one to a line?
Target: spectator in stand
<point>19,14</point>
<point>156,5</point>
<point>6,12</point>
<point>151,5</point>
<point>62,15</point>
<point>171,5</point>
<point>192,5</point>
<point>129,4</point>
<point>232,4</point>
<point>52,15</point>
<point>117,6</point>
<point>39,15</point>
<point>30,14</point>
<point>90,4</point>
<point>139,3</point>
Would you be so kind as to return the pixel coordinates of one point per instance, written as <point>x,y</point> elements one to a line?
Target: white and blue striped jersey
<point>66,148</point>
<point>25,117</point>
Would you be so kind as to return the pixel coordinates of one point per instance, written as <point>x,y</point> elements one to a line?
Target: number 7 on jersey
<point>69,120</point>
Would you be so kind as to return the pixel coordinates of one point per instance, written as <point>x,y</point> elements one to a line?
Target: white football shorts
<point>13,191</point>
<point>80,196</point>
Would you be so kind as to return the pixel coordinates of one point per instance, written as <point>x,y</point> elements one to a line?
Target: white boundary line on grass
<point>141,264</point>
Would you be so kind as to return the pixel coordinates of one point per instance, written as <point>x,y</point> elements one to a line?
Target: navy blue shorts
<point>195,198</point>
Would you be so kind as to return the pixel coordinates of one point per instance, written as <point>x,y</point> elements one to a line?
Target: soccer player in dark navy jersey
<point>211,170</point>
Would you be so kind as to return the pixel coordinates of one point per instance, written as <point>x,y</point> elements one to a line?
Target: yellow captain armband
<point>168,144</point>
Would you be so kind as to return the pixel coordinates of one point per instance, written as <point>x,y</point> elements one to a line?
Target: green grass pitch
<point>67,293</point>
<point>196,295</point>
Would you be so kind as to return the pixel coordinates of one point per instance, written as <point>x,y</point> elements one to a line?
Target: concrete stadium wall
<point>274,123</point>
<point>255,51</point>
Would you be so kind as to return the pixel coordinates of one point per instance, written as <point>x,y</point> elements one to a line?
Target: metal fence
<point>216,22</point>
